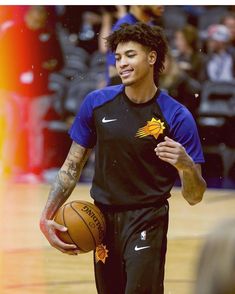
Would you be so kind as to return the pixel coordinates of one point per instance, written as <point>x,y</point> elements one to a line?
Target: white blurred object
<point>44,37</point>
<point>6,25</point>
<point>27,77</point>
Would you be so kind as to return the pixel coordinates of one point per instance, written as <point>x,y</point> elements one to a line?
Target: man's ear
<point>152,57</point>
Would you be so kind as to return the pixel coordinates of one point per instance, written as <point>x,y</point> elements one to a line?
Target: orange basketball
<point>85,223</point>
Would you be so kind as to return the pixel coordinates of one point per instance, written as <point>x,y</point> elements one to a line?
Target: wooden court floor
<point>29,265</point>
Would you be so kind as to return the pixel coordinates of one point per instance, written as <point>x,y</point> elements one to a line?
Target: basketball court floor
<point>29,265</point>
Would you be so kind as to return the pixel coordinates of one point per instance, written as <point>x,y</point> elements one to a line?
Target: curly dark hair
<point>152,37</point>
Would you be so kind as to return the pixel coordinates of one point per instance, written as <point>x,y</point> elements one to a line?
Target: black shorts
<point>136,242</point>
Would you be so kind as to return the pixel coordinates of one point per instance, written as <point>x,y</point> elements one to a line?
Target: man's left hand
<point>174,153</point>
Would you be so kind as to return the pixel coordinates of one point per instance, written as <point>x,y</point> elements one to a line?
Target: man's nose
<point>123,61</point>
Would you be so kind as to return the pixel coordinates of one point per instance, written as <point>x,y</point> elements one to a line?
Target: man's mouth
<point>125,73</point>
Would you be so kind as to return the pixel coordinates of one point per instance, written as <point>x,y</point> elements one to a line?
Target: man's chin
<point>128,83</point>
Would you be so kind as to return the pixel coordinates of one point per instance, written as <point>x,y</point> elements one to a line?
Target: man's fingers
<point>166,149</point>
<point>168,139</point>
<point>70,252</point>
<point>59,227</point>
<point>171,144</point>
<point>58,243</point>
<point>164,155</point>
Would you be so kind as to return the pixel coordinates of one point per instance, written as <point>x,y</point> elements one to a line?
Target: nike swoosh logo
<point>104,120</point>
<point>141,248</point>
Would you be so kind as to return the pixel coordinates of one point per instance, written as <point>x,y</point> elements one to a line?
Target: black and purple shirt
<point>125,134</point>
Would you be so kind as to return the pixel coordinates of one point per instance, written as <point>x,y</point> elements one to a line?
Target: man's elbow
<point>195,200</point>
<point>198,195</point>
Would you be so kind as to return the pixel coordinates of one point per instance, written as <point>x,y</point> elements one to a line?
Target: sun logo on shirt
<point>101,253</point>
<point>153,127</point>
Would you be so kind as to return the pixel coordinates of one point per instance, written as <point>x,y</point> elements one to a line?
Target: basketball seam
<point>84,223</point>
<point>68,230</point>
<point>92,207</point>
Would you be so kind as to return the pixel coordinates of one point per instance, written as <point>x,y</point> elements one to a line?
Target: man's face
<point>134,63</point>
<point>214,46</point>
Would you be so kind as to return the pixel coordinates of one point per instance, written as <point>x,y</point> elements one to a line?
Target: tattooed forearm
<point>66,179</point>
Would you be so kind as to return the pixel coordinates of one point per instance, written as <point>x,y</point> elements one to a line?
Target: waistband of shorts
<point>119,208</point>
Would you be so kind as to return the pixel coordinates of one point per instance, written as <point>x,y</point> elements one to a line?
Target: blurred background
<point>52,56</point>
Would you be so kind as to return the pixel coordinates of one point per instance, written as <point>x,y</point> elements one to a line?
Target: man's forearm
<point>193,185</point>
<point>66,180</point>
<point>60,191</point>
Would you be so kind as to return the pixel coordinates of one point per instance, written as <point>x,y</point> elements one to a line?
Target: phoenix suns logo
<point>101,253</point>
<point>153,127</point>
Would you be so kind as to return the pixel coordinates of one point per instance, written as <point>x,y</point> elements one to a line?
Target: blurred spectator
<point>71,18</point>
<point>220,61</point>
<point>82,24</point>
<point>179,85</point>
<point>229,21</point>
<point>91,24</point>
<point>188,56</point>
<point>193,13</point>
<point>30,51</point>
<point>38,54</point>
<point>143,13</point>
<point>110,15</point>
<point>216,266</point>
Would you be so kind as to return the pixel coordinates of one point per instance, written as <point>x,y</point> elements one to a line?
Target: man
<point>220,61</point>
<point>142,13</point>
<point>143,137</point>
<point>229,21</point>
<point>36,40</point>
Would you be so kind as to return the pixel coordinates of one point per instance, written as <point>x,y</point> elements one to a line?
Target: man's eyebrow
<point>126,52</point>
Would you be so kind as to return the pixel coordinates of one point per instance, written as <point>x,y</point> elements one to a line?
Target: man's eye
<point>131,55</point>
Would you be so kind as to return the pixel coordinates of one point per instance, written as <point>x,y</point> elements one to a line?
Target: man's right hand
<point>49,228</point>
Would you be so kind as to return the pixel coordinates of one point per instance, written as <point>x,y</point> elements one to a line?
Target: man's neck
<point>141,93</point>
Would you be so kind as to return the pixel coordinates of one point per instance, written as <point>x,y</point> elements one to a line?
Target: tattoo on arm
<point>67,178</point>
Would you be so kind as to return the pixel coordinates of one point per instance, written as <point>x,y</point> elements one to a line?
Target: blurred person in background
<point>151,14</point>
<point>81,24</point>
<point>216,265</point>
<point>30,51</point>
<point>229,21</point>
<point>220,61</point>
<point>188,56</point>
<point>179,85</point>
<point>110,15</point>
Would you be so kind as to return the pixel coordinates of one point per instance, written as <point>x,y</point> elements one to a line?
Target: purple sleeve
<point>82,130</point>
<point>184,131</point>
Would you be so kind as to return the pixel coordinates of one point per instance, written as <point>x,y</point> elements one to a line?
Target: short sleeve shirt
<point>125,134</point>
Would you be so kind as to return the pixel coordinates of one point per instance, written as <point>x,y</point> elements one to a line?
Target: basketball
<point>85,223</point>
